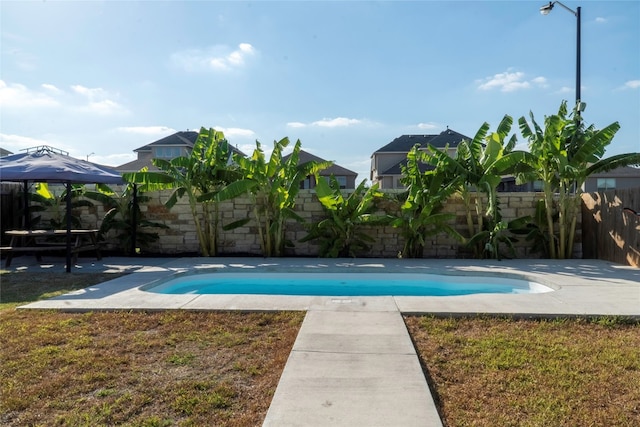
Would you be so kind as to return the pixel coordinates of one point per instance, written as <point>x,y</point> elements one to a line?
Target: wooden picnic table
<point>38,241</point>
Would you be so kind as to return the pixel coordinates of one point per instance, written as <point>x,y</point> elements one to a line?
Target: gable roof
<point>137,164</point>
<point>404,143</point>
<point>335,169</point>
<point>449,138</point>
<point>182,138</point>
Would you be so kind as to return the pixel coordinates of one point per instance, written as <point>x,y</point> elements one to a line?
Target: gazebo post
<point>134,219</point>
<point>68,226</point>
<point>25,203</point>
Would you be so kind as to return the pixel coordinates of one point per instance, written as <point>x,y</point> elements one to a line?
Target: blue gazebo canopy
<point>49,165</point>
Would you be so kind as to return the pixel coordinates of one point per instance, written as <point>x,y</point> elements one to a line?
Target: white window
<point>167,152</point>
<point>606,184</point>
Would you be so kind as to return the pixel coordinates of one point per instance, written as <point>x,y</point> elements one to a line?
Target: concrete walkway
<point>353,362</point>
<point>353,367</point>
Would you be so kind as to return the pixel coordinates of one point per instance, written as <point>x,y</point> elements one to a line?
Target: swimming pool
<point>343,284</point>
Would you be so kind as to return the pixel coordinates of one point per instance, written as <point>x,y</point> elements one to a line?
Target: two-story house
<point>172,146</point>
<point>386,162</point>
<point>619,178</point>
<point>346,177</point>
<point>181,143</point>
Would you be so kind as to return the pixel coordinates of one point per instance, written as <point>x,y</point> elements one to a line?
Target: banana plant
<point>479,165</point>
<point>273,186</point>
<point>343,233</point>
<point>198,176</point>
<point>420,211</point>
<point>47,201</point>
<point>563,155</point>
<point>121,211</point>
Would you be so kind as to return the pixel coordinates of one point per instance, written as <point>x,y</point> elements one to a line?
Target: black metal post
<point>25,204</point>
<point>134,219</point>
<point>578,84</point>
<point>68,226</point>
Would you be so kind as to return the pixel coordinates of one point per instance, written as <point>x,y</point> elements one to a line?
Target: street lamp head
<point>546,8</point>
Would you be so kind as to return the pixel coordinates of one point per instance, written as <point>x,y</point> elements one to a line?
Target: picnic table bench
<point>38,241</point>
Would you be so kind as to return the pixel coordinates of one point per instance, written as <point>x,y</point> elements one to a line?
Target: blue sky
<point>101,79</point>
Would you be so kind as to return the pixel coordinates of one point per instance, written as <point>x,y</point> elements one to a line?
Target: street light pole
<point>545,11</point>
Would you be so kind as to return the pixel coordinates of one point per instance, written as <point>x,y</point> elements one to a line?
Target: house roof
<point>404,143</point>
<point>449,138</point>
<point>138,164</point>
<point>183,138</point>
<point>336,170</point>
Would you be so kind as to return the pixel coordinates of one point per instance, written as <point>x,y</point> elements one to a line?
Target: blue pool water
<point>343,284</point>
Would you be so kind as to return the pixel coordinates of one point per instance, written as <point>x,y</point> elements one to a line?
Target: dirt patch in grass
<point>137,369</point>
<point>505,372</point>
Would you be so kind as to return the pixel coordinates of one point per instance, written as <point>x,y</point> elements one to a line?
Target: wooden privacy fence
<point>609,231</point>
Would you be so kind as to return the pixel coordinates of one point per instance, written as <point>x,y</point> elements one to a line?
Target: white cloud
<point>214,58</point>
<point>147,130</point>
<point>90,93</point>
<point>15,143</point>
<point>505,82</point>
<point>337,122</point>
<point>328,123</point>
<point>112,159</point>
<point>632,84</point>
<point>540,81</point>
<point>296,125</point>
<point>601,20</point>
<point>93,100</point>
<point>249,148</point>
<point>237,57</point>
<point>105,107</point>
<point>98,101</point>
<point>51,88</point>
<point>566,89</point>
<point>229,132</point>
<point>15,95</point>
<point>428,126</point>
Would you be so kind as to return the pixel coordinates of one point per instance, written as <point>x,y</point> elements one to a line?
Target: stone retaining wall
<point>181,237</point>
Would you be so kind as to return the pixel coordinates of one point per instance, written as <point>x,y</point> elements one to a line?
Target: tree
<point>342,233</point>
<point>48,201</point>
<point>198,176</point>
<point>479,166</point>
<point>120,214</point>
<point>273,187</point>
<point>420,212</point>
<point>563,155</point>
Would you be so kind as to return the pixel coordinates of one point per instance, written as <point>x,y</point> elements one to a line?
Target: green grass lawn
<point>505,372</point>
<point>134,368</point>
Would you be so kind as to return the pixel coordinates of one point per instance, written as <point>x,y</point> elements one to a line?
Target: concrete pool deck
<point>583,287</point>
<point>353,362</point>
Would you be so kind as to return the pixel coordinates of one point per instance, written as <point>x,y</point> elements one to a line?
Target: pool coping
<point>583,287</point>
